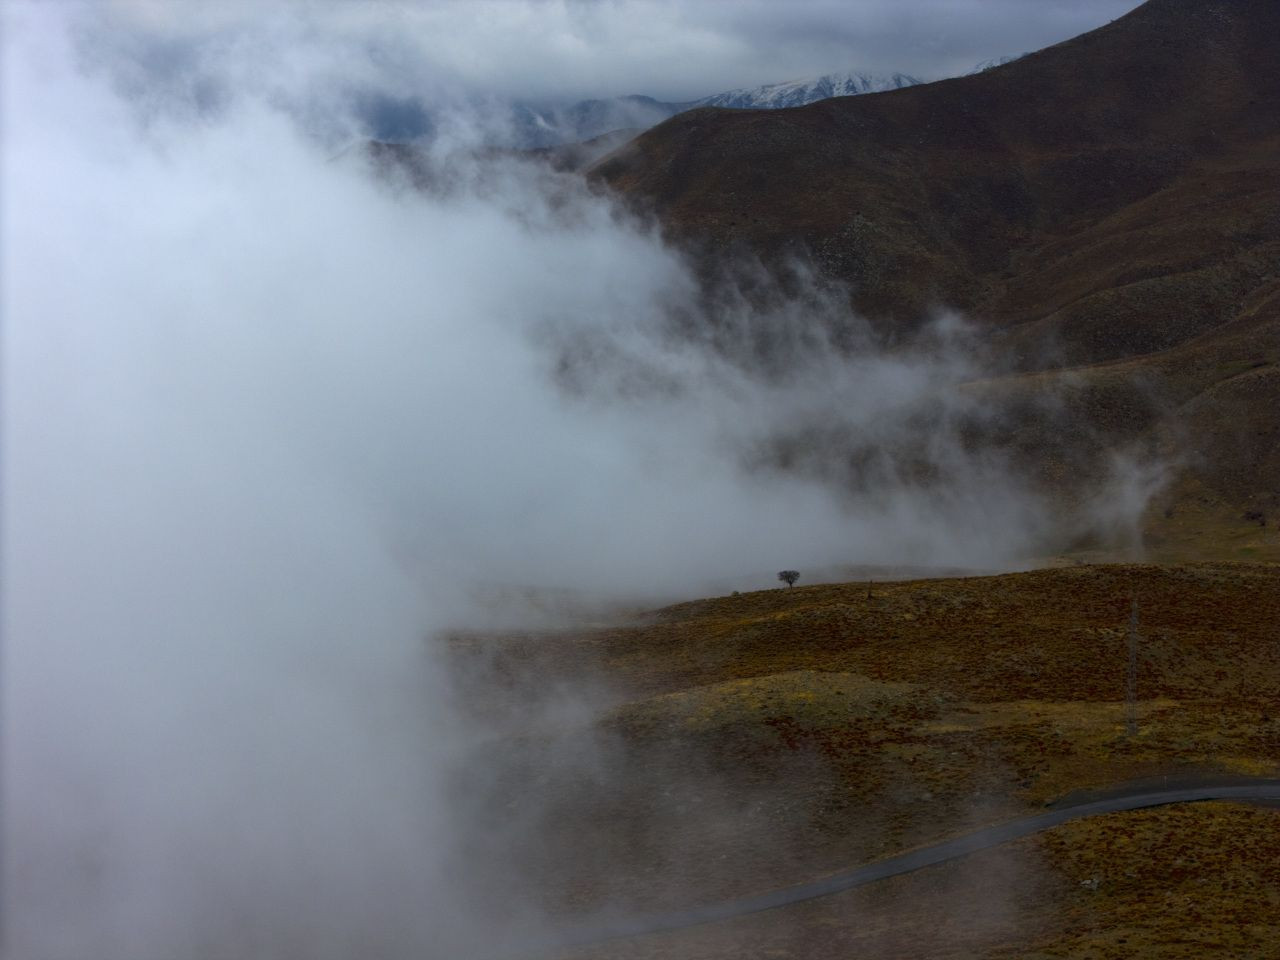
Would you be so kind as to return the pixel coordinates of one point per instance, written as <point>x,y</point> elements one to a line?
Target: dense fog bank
<point>272,420</point>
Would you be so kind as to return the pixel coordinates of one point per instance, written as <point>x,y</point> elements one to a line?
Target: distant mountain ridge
<point>539,125</point>
<point>994,62</point>
<point>554,126</point>
<point>798,93</point>
<point>544,127</point>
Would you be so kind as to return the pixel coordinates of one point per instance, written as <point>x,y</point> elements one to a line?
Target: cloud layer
<point>557,50</point>
<point>272,421</point>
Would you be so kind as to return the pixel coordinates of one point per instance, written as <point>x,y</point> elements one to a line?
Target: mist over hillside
<point>1104,209</point>
<point>278,417</point>
<point>520,75</point>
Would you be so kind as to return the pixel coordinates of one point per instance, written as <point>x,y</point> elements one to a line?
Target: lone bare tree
<point>789,577</point>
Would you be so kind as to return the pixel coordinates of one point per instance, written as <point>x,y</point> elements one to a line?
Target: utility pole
<point>1131,676</point>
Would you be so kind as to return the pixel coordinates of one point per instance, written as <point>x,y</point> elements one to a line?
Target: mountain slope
<point>1112,199</point>
<point>946,182</point>
<point>798,93</point>
<point>753,741</point>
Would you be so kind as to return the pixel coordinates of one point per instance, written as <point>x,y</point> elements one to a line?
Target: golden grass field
<point>742,743</point>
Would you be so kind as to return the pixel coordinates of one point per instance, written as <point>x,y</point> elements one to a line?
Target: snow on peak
<point>994,62</point>
<point>797,93</point>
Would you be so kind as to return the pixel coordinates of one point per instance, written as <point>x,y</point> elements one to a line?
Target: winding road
<point>1120,799</point>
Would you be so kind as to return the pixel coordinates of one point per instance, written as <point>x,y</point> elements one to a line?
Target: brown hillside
<point>1112,199</point>
<point>997,192</point>
<point>747,742</point>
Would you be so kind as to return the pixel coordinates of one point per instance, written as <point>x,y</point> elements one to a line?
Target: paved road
<point>1118,800</point>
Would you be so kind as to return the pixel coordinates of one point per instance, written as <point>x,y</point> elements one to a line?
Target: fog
<point>326,59</point>
<point>272,421</point>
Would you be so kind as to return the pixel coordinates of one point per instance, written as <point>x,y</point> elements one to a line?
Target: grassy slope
<point>1181,883</point>
<point>757,740</point>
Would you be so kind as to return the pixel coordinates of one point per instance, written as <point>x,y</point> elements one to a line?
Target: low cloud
<point>272,420</point>
<point>332,63</point>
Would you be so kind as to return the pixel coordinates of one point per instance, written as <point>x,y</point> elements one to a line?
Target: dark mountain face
<point>939,193</point>
<point>1111,204</point>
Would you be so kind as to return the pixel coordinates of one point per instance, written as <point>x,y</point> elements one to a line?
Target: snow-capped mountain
<point>994,62</point>
<point>591,118</point>
<point>524,125</point>
<point>796,93</point>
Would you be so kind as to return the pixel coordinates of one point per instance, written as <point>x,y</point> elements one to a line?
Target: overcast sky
<point>571,49</point>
